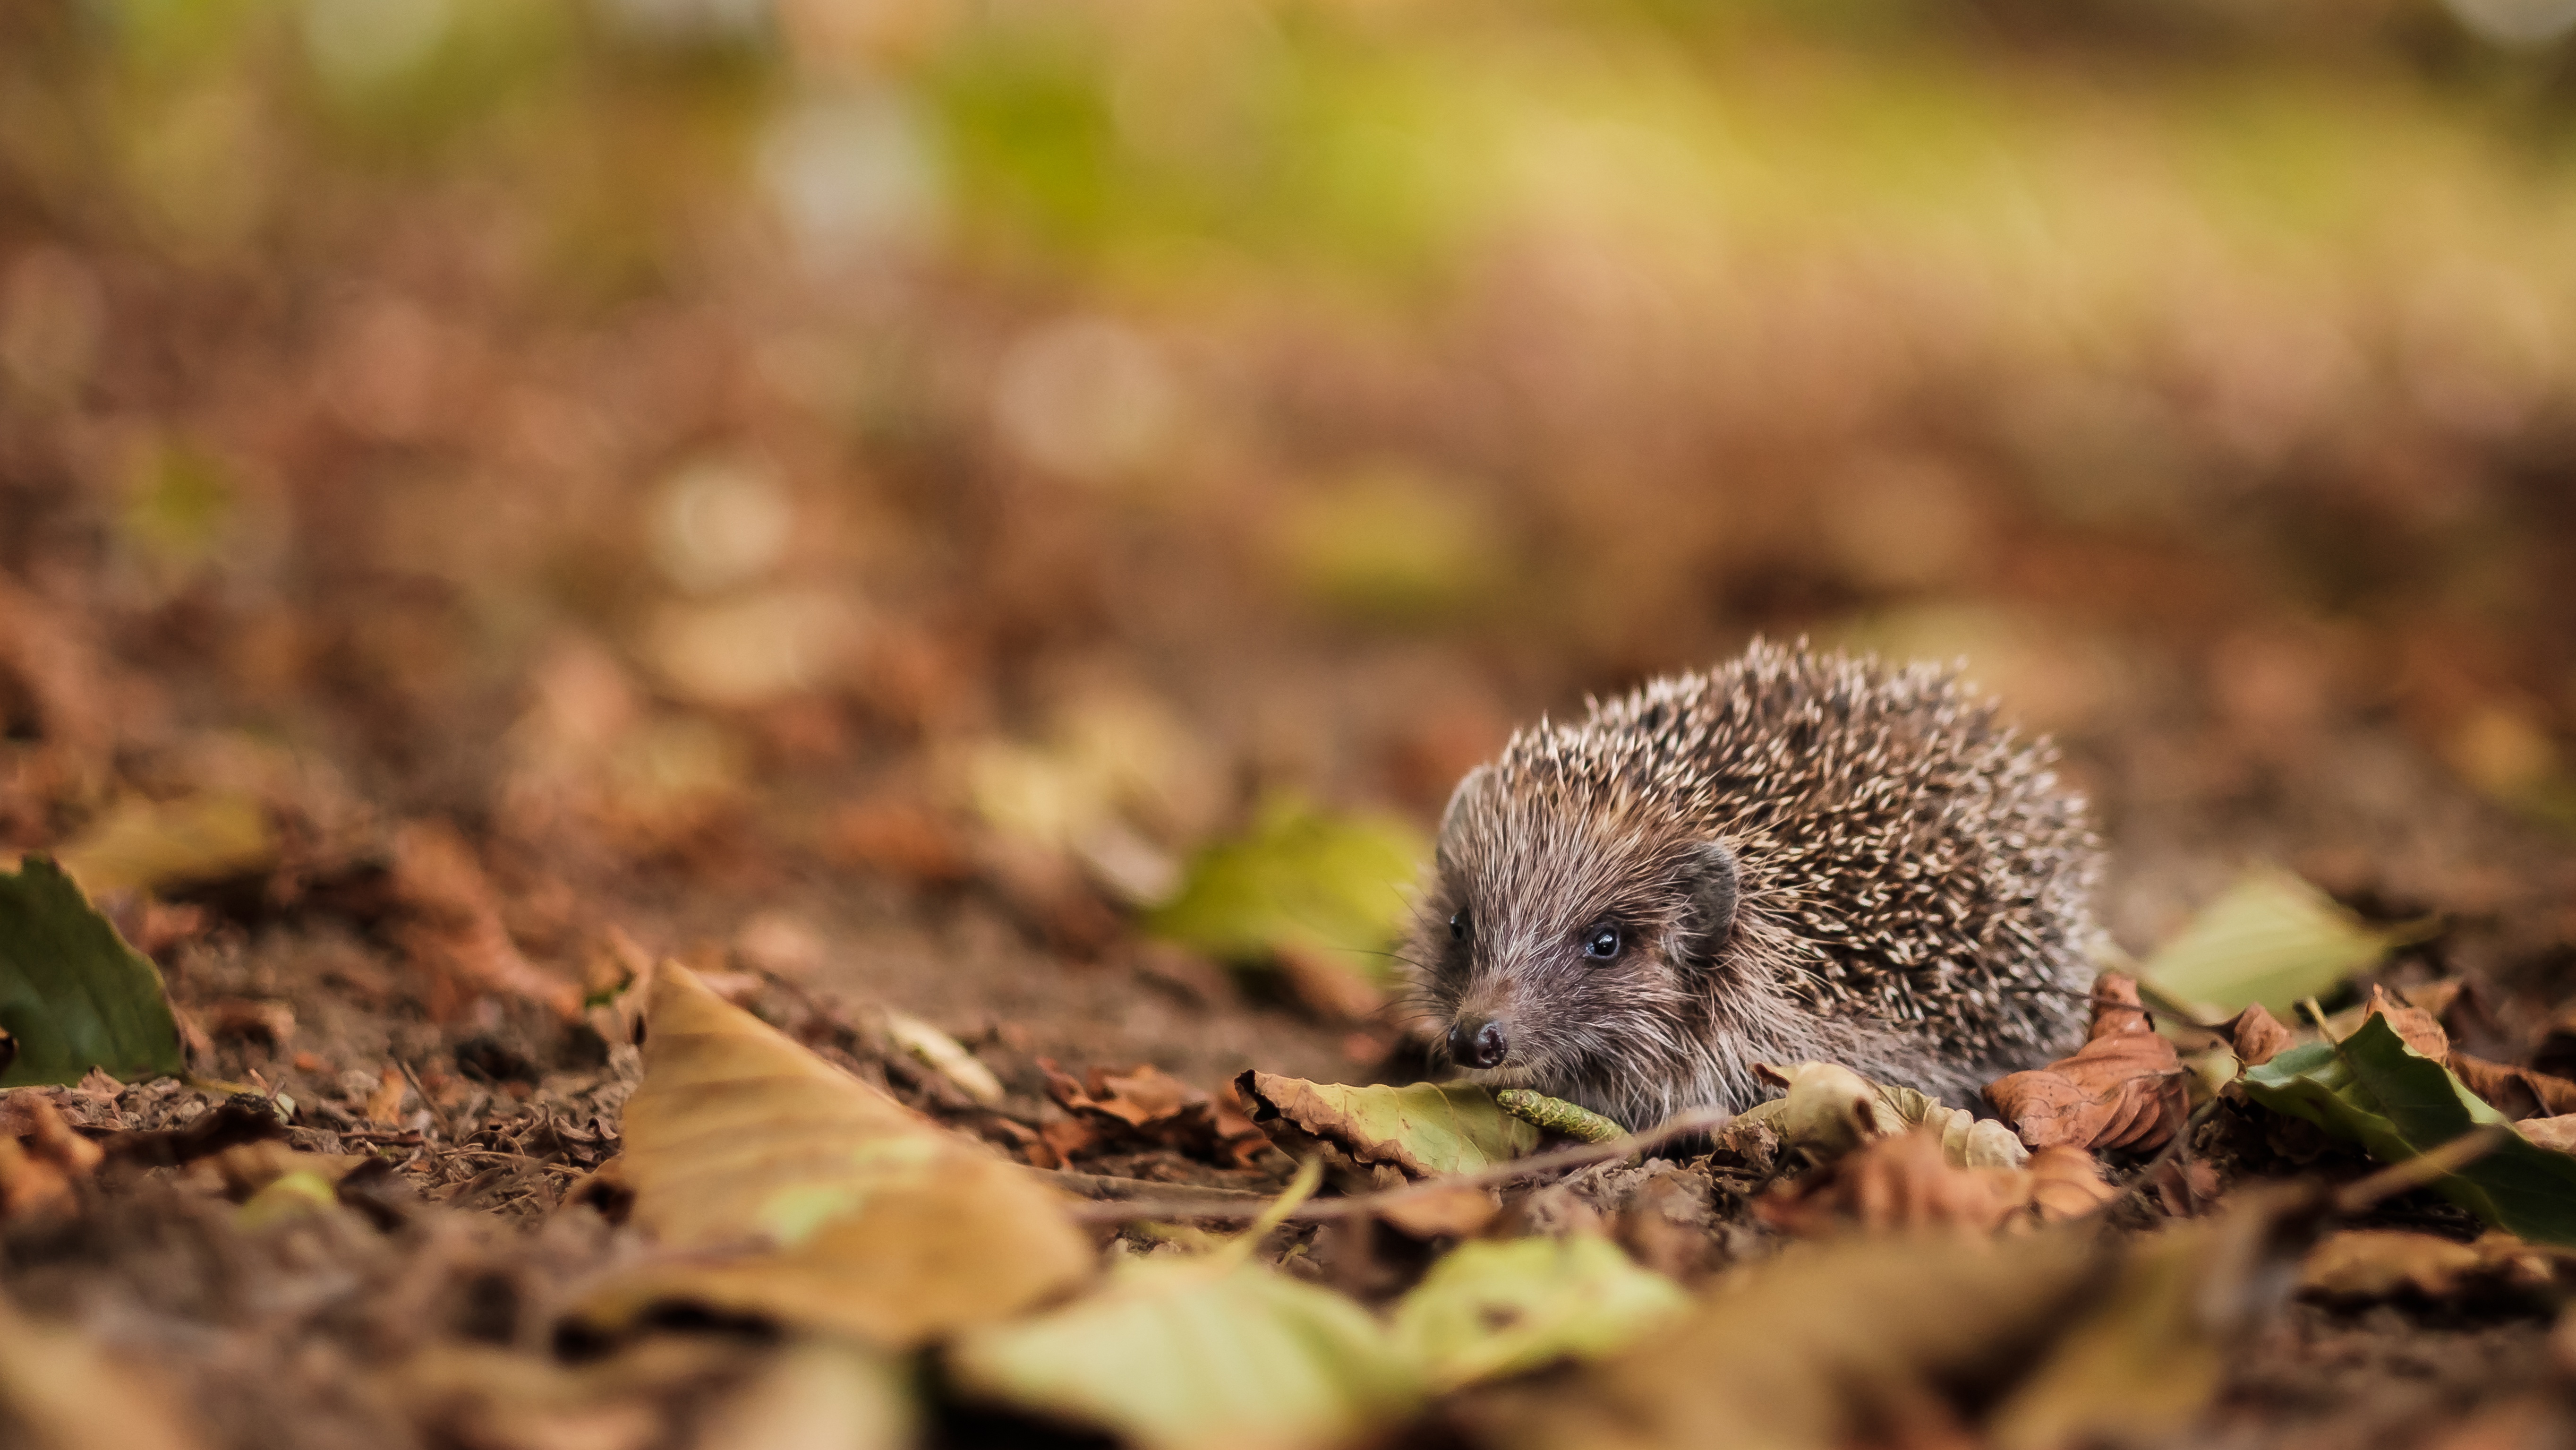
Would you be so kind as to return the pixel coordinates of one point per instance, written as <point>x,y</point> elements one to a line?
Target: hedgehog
<point>1795,856</point>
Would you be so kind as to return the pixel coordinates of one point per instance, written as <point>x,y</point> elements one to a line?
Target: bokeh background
<point>901,478</point>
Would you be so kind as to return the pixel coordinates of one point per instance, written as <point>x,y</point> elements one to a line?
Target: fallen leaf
<point>1330,887</point>
<point>1829,1110</point>
<point>2149,1348</point>
<point>384,1105</point>
<point>140,844</point>
<point>807,1196</point>
<point>1906,1183</point>
<point>944,1055</point>
<point>1783,1355</point>
<point>816,1393</point>
<point>61,1391</point>
<point>2520,1093</point>
<point>2122,1089</point>
<point>2271,939</point>
<point>1147,1105</point>
<point>2558,1133</point>
<point>1202,1354</point>
<point>1420,1131</point>
<point>454,930</point>
<point>73,995</point>
<point>2373,1089</point>
<point>1454,1211</point>
<point>2258,1036</point>
<point>2366,1264</point>
<point>1500,1306</point>
<point>39,1174</point>
<point>2417,1028</point>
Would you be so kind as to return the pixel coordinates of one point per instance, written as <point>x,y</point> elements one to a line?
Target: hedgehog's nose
<point>1479,1042</point>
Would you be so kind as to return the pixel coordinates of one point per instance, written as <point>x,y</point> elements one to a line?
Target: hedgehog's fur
<point>1912,889</point>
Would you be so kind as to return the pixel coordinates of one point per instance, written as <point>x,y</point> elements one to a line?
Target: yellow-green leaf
<point>1498,1306</point>
<point>1198,1355</point>
<point>1422,1129</point>
<point>1302,880</point>
<point>2271,939</point>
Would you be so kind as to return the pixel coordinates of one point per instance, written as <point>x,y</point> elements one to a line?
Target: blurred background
<point>946,482</point>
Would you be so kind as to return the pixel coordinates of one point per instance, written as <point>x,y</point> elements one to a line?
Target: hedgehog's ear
<point>1714,886</point>
<point>1456,810</point>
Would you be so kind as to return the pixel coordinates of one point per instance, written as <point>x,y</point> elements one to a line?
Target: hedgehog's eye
<point>1460,925</point>
<point>1601,943</point>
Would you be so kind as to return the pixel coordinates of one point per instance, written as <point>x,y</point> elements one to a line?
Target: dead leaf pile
<point>1145,1106</point>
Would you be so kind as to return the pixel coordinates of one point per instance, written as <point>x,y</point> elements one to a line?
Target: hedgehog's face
<point>1563,942</point>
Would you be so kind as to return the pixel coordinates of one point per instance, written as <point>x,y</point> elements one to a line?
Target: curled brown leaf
<point>2122,1089</point>
<point>1907,1183</point>
<point>2258,1036</point>
<point>2517,1092</point>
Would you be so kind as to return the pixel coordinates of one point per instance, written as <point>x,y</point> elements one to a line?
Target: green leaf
<point>1422,1129</point>
<point>1300,879</point>
<point>1499,1306</point>
<point>2271,939</point>
<point>1205,1353</point>
<point>72,993</point>
<point>2371,1088</point>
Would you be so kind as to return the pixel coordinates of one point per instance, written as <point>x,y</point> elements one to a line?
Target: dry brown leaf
<point>40,1161</point>
<point>1147,1105</point>
<point>809,1197</point>
<point>2517,1092</point>
<point>2258,1036</point>
<point>454,929</point>
<point>2418,1028</point>
<point>60,1390</point>
<point>2123,1089</point>
<point>1906,1183</point>
<point>384,1105</point>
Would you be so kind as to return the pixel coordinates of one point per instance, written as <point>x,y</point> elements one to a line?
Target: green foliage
<point>72,993</point>
<point>2373,1089</point>
<point>1422,1128</point>
<point>1300,879</point>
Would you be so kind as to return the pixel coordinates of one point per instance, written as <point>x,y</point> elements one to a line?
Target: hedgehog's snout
<point>1480,1041</point>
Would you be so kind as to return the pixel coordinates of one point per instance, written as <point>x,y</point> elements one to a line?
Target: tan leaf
<point>1830,1109</point>
<point>2122,1089</point>
<point>1418,1131</point>
<point>61,1390</point>
<point>2258,1036</point>
<point>814,1198</point>
<point>2557,1133</point>
<point>384,1105</point>
<point>2361,1264</point>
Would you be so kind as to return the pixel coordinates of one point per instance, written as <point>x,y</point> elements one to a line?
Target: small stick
<point>1680,1125</point>
<point>2422,1170</point>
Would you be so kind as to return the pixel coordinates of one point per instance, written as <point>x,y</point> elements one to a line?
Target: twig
<point>2422,1170</point>
<point>1680,1125</point>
